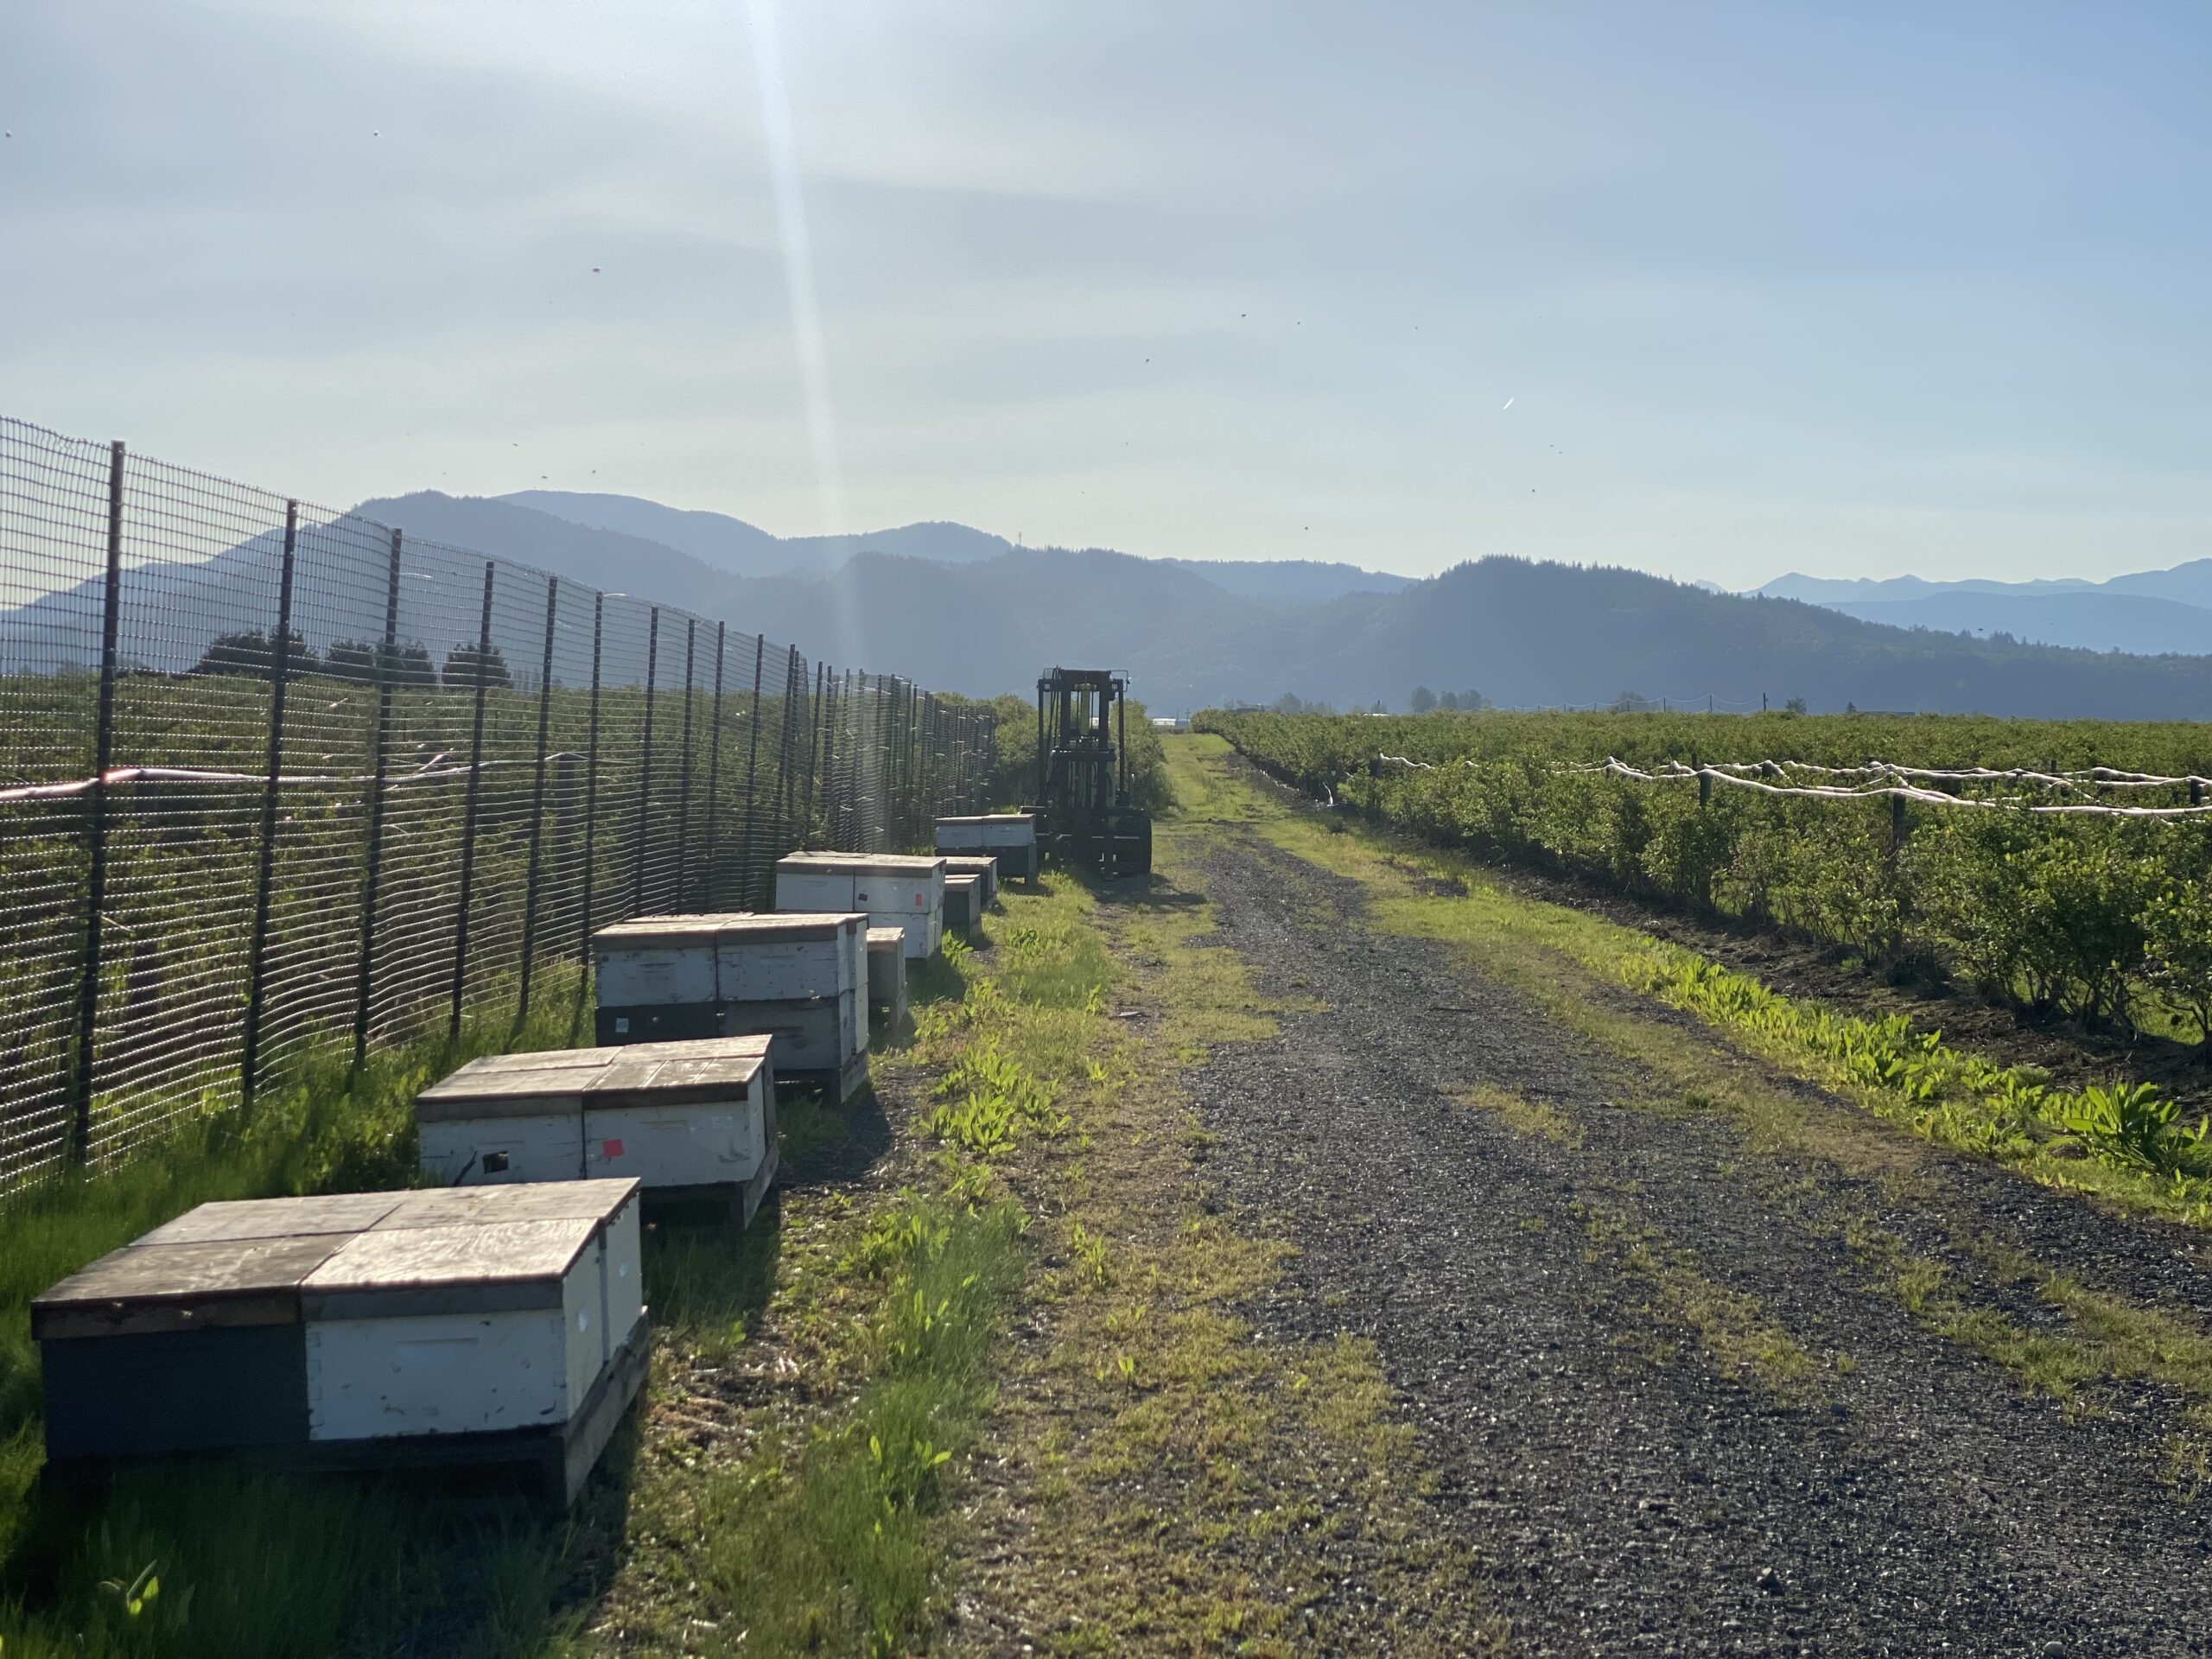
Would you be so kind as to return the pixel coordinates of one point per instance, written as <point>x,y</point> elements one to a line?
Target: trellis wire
<point>276,779</point>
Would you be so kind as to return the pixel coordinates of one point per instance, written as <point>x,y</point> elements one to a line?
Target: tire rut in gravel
<point>1629,1492</point>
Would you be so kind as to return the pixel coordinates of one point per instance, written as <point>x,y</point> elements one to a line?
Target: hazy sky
<point>1855,289</point>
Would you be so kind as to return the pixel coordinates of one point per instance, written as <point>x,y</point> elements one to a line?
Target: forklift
<point>1084,815</point>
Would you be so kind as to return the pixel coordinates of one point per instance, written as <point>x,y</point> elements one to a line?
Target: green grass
<point>245,1565</point>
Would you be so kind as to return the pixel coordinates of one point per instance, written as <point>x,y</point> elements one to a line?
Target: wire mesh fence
<point>273,776</point>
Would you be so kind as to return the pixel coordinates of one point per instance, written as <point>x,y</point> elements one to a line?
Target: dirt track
<point>1631,1483</point>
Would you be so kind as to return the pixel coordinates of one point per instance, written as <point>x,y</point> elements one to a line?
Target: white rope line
<point>1674,771</point>
<point>431,773</point>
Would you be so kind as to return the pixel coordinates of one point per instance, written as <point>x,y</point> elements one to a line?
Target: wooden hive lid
<point>863,863</point>
<point>773,927</point>
<point>515,1085</point>
<point>447,1206</point>
<point>185,1286</point>
<point>968,864</point>
<point>471,1268</point>
<point>239,1218</point>
<point>713,1069</point>
<point>962,880</point>
<point>886,938</point>
<point>665,932</point>
<point>992,817</point>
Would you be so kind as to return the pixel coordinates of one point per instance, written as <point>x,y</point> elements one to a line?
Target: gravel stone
<point>1624,1493</point>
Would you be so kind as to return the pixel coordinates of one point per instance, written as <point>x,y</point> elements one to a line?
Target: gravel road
<point>1628,1492</point>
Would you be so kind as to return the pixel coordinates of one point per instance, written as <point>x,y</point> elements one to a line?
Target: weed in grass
<point>1731,1326</point>
<point>1523,1115</point>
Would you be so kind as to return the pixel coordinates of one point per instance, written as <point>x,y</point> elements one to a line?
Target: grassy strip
<point>1169,1479</point>
<point>239,1565</point>
<point>2120,1143</point>
<point>808,1515</point>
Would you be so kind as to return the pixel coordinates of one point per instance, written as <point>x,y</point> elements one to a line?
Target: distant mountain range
<point>956,608</point>
<point>2147,612</point>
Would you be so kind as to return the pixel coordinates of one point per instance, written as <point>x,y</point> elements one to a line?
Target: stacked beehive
<point>1008,838</point>
<point>799,978</point>
<point>690,1120</point>
<point>892,890</point>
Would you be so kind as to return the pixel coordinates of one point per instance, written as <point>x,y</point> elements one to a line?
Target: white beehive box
<point>963,904</point>
<point>1009,838</point>
<point>686,1119</point>
<point>985,870</point>
<point>887,974</point>
<point>798,977</point>
<point>499,1325</point>
<point>892,890</point>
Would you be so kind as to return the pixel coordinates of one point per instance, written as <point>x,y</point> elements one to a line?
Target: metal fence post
<point>829,758</point>
<point>794,818</point>
<point>469,808</point>
<point>813,744</point>
<point>537,799</point>
<point>591,781</point>
<point>753,765</point>
<point>683,767</point>
<point>88,989</point>
<point>645,764</point>
<point>715,765</point>
<point>849,715</point>
<point>371,875</point>
<point>280,664</point>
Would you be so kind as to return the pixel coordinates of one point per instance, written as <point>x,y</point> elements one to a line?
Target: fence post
<point>849,715</point>
<point>645,764</point>
<point>88,989</point>
<point>684,768</point>
<point>469,808</point>
<point>813,745</point>
<point>537,799</point>
<point>794,820</point>
<point>752,763</point>
<point>715,764</point>
<point>924,830</point>
<point>929,757</point>
<point>827,713</point>
<point>387,667</point>
<point>591,783</point>
<point>280,664</point>
<point>1897,822</point>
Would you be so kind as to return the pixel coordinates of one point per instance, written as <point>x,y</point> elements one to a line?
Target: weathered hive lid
<point>773,926</point>
<point>671,932</point>
<point>863,863</point>
<point>515,1085</point>
<point>185,1286</point>
<point>451,1206</point>
<point>962,880</point>
<point>478,1267</point>
<point>699,1048</point>
<point>239,1218</point>
<point>968,864</point>
<point>992,817</point>
<point>886,938</point>
<point>647,1075</point>
<point>691,933</point>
